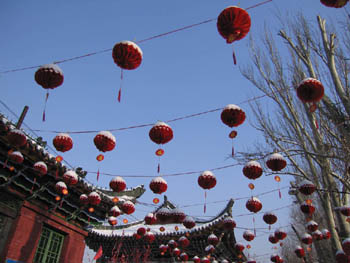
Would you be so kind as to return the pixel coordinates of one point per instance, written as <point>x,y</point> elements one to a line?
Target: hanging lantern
<point>163,215</point>
<point>17,138</point>
<point>253,205</point>
<point>269,218</point>
<point>149,237</point>
<point>209,249</point>
<point>248,235</point>
<point>334,3</point>
<point>252,170</point>
<point>94,198</point>
<point>184,242</point>
<point>189,222</point>
<point>345,210</point>
<point>228,223</point>
<point>176,252</point>
<point>205,260</point>
<point>317,235</point>
<point>128,207</point>
<point>117,184</point>
<point>299,251</point>
<point>312,226</point>
<point>112,220</point>
<point>172,244</point>
<point>213,239</point>
<point>158,185</point>
<point>183,256</point>
<point>239,247</point>
<point>310,91</point>
<point>307,208</point>
<point>83,199</point>
<point>150,219</point>
<point>177,215</point>
<point>141,231</point>
<point>104,142</point>
<point>62,142</point>
<point>326,234</point>
<point>196,259</point>
<point>70,177</point>
<point>273,239</point>
<point>49,76</point>
<point>127,55</point>
<point>115,211</point>
<point>163,248</point>
<point>161,133</point>
<point>280,234</point>
<point>40,168</point>
<point>206,180</point>
<point>306,187</point>
<point>136,236</point>
<point>275,258</point>
<point>341,257</point>
<point>306,239</point>
<point>16,157</point>
<point>61,188</point>
<point>233,24</point>
<point>276,162</point>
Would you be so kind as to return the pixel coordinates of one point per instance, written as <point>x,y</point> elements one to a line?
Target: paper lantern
<point>150,219</point>
<point>40,168</point>
<point>184,242</point>
<point>176,252</point>
<point>115,211</point>
<point>127,55</point>
<point>117,184</point>
<point>83,199</point>
<point>158,185</point>
<point>299,251</point>
<point>252,170</point>
<point>248,235</point>
<point>213,239</point>
<point>228,223</point>
<point>94,198</point>
<point>207,180</point>
<point>269,218</point>
<point>275,258</point>
<point>273,239</point>
<point>16,157</point>
<point>183,256</point>
<point>334,3</point>
<point>177,215</point>
<point>253,205</point>
<point>326,234</point>
<point>312,226</point>
<point>280,234</point>
<point>239,247</point>
<point>61,188</point>
<point>112,220</point>
<point>128,207</point>
<point>62,142</point>
<point>163,248</point>
<point>306,239</point>
<point>172,244</point>
<point>163,215</point>
<point>341,257</point>
<point>17,138</point>
<point>276,162</point>
<point>149,237</point>
<point>307,208</point>
<point>306,187</point>
<point>232,116</point>
<point>189,222</point>
<point>209,249</point>
<point>136,236</point>
<point>345,210</point>
<point>196,259</point>
<point>317,235</point>
<point>205,260</point>
<point>310,91</point>
<point>70,177</point>
<point>104,141</point>
<point>141,231</point>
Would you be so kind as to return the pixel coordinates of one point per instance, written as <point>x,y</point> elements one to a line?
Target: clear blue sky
<point>183,73</point>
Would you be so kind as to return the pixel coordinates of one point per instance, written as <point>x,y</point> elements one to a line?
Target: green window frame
<point>49,247</point>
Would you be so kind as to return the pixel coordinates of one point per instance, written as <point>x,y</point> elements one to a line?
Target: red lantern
<point>317,235</point>
<point>205,260</point>
<point>345,210</point>
<point>177,215</point>
<point>196,259</point>
<point>232,115</point>
<point>213,239</point>
<point>150,219</point>
<point>163,215</point>
<point>248,235</point>
<point>70,177</point>
<point>334,3</point>
<point>233,24</point>
<point>280,234</point>
<point>207,180</point>
<point>17,138</point>
<point>275,258</point>
<point>299,251</point>
<point>128,207</point>
<point>16,157</point>
<point>306,187</point>
<point>184,242</point>
<point>270,218</point>
<point>274,239</point>
<point>94,198</point>
<point>250,260</point>
<point>326,234</point>
<point>276,162</point>
<point>306,239</point>
<point>83,199</point>
<point>136,236</point>
<point>209,249</point>
<point>307,208</point>
<point>112,220</point>
<point>158,185</point>
<point>117,184</point>
<point>149,237</point>
<point>189,222</point>
<point>176,252</point>
<point>312,226</point>
<point>62,142</point>
<point>253,205</point>
<point>115,211</point>
<point>239,247</point>
<point>61,188</point>
<point>163,248</point>
<point>105,141</point>
<point>228,223</point>
<point>40,168</point>
<point>141,231</point>
<point>252,170</point>
<point>310,91</point>
<point>172,244</point>
<point>183,256</point>
<point>341,257</point>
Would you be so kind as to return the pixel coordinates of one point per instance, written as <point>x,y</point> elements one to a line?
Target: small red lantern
<point>312,226</point>
<point>158,185</point>
<point>149,237</point>
<point>280,234</point>
<point>317,235</point>
<point>163,248</point>
<point>273,239</point>
<point>253,205</point>
<point>163,215</point>
<point>176,252</point>
<point>326,234</point>
<point>334,3</point>
<point>341,257</point>
<point>141,231</point>
<point>345,210</point>
<point>16,157</point>
<point>115,211</point>
<point>252,170</point>
<point>207,180</point>
<point>205,260</point>
<point>62,142</point>
<point>209,249</point>
<point>40,168</point>
<point>248,235</point>
<point>112,220</point>
<point>310,91</point>
<point>299,251</point>
<point>189,222</point>
<point>228,223</point>
<point>239,247</point>
<point>177,215</point>
<point>276,162</point>
<point>183,256</point>
<point>83,199</point>
<point>61,187</point>
<point>150,219</point>
<point>307,208</point>
<point>117,184</point>
<point>306,187</point>
<point>49,76</point>
<point>270,218</point>
<point>196,259</point>
<point>94,198</point>
<point>17,138</point>
<point>70,177</point>
<point>233,24</point>
<point>136,236</point>
<point>128,207</point>
<point>172,244</point>
<point>213,239</point>
<point>306,239</point>
<point>105,141</point>
<point>184,242</point>
<point>275,258</point>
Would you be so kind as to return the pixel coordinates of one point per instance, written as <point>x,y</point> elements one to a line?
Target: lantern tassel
<point>233,151</point>
<point>279,193</point>
<point>121,85</point>
<point>234,57</point>
<point>98,174</point>
<point>46,98</point>
<point>31,190</point>
<point>158,168</point>
<point>205,202</point>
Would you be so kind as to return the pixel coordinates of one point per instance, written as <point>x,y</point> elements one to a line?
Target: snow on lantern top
<point>161,133</point>
<point>49,76</point>
<point>105,141</point>
<point>127,55</point>
<point>232,115</point>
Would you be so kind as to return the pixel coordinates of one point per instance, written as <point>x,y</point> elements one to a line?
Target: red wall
<point>25,234</point>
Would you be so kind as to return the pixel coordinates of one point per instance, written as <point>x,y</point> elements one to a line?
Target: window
<point>49,248</point>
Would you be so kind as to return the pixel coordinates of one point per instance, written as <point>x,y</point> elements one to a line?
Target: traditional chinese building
<point>36,223</point>
<point>122,243</point>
